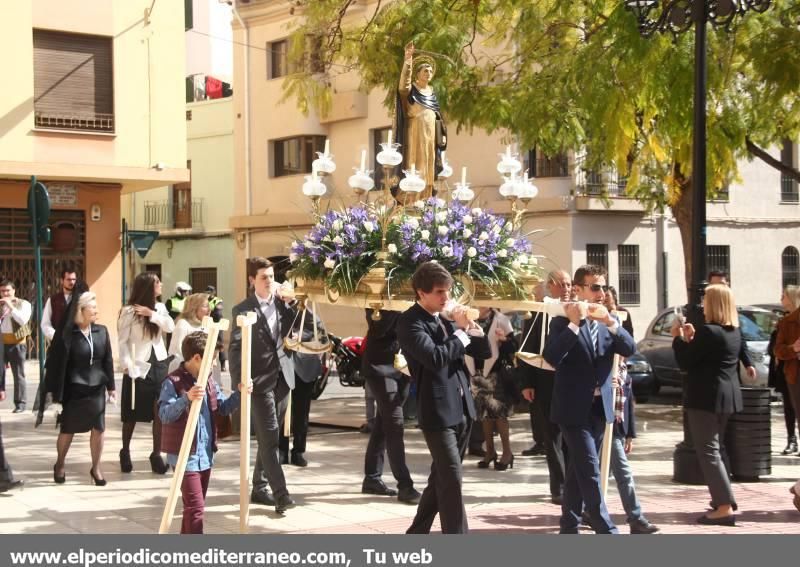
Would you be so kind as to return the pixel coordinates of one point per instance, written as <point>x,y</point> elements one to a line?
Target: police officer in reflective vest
<point>175,303</point>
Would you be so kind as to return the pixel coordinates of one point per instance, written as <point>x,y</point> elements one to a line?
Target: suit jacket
<point>382,345</point>
<point>68,361</point>
<point>435,359</point>
<point>579,370</point>
<point>712,362</point>
<point>132,337</point>
<point>268,359</point>
<point>788,333</point>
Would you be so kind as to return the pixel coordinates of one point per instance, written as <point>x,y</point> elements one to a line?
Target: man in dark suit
<point>434,348</point>
<point>272,373</point>
<point>539,386</point>
<point>581,348</point>
<point>390,388</point>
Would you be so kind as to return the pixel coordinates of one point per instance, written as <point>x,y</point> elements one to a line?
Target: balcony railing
<point>94,122</point>
<point>605,182</point>
<point>164,215</point>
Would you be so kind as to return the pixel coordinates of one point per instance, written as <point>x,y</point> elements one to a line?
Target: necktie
<point>593,332</point>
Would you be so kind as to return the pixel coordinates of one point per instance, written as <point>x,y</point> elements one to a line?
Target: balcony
<point>603,189</point>
<point>170,215</point>
<point>94,122</point>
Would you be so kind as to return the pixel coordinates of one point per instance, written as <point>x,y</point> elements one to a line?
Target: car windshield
<point>757,325</point>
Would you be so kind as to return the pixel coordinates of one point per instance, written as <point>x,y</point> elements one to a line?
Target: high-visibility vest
<point>175,306</point>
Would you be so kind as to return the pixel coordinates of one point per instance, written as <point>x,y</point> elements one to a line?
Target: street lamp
<point>676,17</point>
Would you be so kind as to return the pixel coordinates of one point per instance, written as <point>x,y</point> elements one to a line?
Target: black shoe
<point>125,463</point>
<point>263,497</point>
<point>556,499</point>
<point>7,485</point>
<point>500,465</point>
<point>586,520</point>
<point>642,526</point>
<point>283,503</point>
<point>370,486</point>
<point>791,447</point>
<point>723,521</point>
<point>476,452</point>
<point>97,481</point>
<point>409,495</point>
<point>283,457</point>
<point>19,409</point>
<point>487,460</point>
<point>536,449</point>
<point>299,460</point>
<point>58,479</point>
<point>157,464</point>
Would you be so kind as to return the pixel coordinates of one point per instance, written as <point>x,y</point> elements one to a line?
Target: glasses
<point>596,287</point>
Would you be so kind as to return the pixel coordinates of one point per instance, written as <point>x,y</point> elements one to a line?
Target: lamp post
<point>676,17</point>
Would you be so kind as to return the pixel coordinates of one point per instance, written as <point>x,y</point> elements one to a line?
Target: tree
<point>566,74</point>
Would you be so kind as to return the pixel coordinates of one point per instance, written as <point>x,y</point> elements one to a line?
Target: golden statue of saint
<point>418,119</point>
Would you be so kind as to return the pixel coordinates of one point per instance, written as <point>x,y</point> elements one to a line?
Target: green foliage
<point>564,74</point>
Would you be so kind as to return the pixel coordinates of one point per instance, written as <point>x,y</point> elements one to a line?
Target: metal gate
<point>17,258</point>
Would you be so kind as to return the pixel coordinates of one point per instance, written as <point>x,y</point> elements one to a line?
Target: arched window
<point>790,266</point>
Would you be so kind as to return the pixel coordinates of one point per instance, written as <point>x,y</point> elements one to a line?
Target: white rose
<point>467,233</point>
<point>523,259</point>
<point>510,242</point>
<point>308,244</point>
<point>502,252</point>
<point>516,265</point>
<point>496,229</point>
<point>412,222</point>
<point>509,226</point>
<point>483,236</point>
<point>467,219</point>
<point>337,225</point>
<point>293,257</point>
<point>369,226</point>
<point>330,263</point>
<point>447,251</point>
<point>441,216</point>
<point>392,248</point>
<point>419,204</point>
<point>338,240</point>
<point>471,252</point>
<point>533,261</point>
<point>476,211</point>
<point>442,230</point>
<point>425,234</point>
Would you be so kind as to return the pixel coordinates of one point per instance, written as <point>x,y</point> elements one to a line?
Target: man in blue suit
<point>581,348</point>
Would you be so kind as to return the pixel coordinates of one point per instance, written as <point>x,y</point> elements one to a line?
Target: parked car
<point>755,323</point>
<point>642,378</point>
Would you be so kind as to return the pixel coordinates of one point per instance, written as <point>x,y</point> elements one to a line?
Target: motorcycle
<point>346,355</point>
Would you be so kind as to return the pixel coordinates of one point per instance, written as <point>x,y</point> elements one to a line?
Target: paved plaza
<point>328,490</point>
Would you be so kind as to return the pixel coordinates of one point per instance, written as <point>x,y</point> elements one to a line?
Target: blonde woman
<point>710,355</point>
<point>88,375</point>
<point>190,320</point>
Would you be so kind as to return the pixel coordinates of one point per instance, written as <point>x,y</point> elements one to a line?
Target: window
<point>294,156</point>
<point>790,266</point>
<point>789,189</point>
<point>718,259</point>
<point>201,278</point>
<point>663,326</point>
<point>182,202</point>
<point>628,274</point>
<point>379,136</point>
<point>188,14</point>
<point>278,56</point>
<point>73,81</point>
<point>540,165</point>
<point>155,268</point>
<point>597,255</point>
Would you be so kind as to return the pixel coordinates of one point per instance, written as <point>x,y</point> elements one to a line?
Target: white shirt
<point>47,314</point>
<point>182,329</point>
<point>132,337</point>
<point>21,314</point>
<point>269,311</point>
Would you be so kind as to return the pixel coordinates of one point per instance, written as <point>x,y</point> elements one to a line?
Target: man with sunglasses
<point>581,348</point>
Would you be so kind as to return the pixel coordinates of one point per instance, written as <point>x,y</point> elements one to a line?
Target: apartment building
<point>93,106</point>
<point>583,214</point>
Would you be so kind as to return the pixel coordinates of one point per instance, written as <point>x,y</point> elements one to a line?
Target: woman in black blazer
<point>710,355</point>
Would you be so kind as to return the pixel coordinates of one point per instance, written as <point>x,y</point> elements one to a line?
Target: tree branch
<point>764,156</point>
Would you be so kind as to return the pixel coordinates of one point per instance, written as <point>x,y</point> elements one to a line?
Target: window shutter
<point>73,81</point>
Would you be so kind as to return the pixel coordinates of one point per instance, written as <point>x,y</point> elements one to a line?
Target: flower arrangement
<point>472,243</point>
<point>340,249</point>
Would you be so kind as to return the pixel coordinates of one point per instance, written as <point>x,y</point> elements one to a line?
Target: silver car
<point>755,323</point>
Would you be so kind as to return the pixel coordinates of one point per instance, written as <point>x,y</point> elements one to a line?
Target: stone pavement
<point>328,490</point>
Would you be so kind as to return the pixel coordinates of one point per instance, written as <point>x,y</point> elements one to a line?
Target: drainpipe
<point>247,173</point>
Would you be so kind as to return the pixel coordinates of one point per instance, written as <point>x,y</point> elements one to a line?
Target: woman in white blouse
<point>143,357</point>
<point>190,320</point>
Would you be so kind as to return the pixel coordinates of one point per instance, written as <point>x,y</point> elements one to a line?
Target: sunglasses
<point>596,287</point>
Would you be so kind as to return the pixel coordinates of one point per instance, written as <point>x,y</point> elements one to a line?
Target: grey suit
<point>272,372</point>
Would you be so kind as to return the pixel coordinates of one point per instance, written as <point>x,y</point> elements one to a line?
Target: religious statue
<point>418,119</point>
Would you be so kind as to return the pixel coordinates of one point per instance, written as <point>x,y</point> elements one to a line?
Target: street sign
<point>142,240</point>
